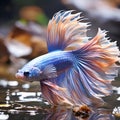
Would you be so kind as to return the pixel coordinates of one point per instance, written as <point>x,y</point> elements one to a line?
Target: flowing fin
<point>54,86</point>
<point>54,93</point>
<point>50,71</point>
<point>93,66</point>
<point>66,31</point>
<point>93,70</point>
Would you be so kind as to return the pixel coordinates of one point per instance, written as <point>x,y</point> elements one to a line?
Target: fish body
<point>76,70</point>
<point>48,65</point>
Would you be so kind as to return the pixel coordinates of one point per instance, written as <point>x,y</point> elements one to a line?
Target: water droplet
<point>3,116</point>
<point>118,98</point>
<point>46,103</point>
<point>13,83</point>
<point>8,97</point>
<point>32,113</point>
<point>26,86</point>
<point>3,83</point>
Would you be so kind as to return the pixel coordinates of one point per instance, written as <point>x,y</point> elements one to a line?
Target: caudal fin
<point>94,69</point>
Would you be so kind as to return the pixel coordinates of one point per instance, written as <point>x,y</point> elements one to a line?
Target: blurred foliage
<point>10,9</point>
<point>33,13</point>
<point>42,19</point>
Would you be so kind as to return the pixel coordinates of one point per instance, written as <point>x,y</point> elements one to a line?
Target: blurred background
<point>23,25</point>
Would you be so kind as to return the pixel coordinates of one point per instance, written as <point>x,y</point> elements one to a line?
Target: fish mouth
<point>19,76</point>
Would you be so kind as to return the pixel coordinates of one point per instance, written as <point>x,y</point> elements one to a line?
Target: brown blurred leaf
<point>39,47</point>
<point>113,3</point>
<point>30,12</point>
<point>4,53</point>
<point>27,41</point>
<point>18,49</point>
<point>20,35</point>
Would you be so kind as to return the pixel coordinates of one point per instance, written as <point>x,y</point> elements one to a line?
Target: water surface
<point>21,100</point>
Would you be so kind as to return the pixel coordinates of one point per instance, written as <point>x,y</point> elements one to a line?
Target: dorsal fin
<point>66,31</point>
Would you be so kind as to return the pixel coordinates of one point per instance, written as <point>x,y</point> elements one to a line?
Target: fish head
<point>29,73</point>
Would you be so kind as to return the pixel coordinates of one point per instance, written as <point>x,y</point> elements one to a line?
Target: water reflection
<point>97,116</point>
<point>58,113</point>
<point>17,110</point>
<point>67,114</point>
<point>24,102</point>
<point>27,96</point>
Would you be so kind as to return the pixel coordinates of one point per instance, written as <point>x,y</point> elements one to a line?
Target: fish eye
<point>26,73</point>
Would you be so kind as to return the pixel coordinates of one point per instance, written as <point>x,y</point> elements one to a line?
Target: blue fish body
<point>60,60</point>
<point>75,70</point>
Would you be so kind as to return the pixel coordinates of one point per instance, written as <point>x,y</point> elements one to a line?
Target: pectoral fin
<point>50,71</point>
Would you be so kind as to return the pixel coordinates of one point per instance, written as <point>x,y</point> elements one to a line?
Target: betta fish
<point>77,70</point>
